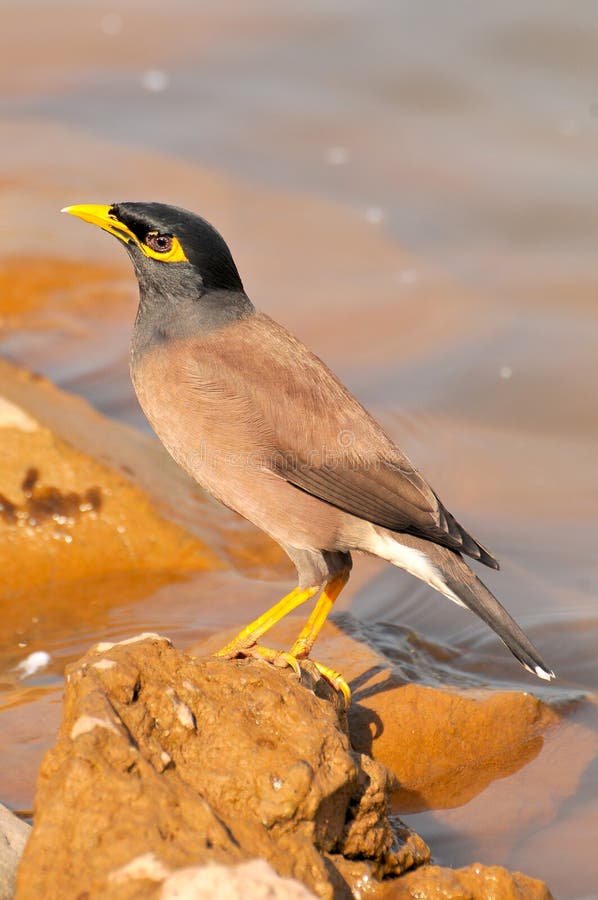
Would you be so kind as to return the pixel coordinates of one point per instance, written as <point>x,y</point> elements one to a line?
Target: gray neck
<point>175,306</point>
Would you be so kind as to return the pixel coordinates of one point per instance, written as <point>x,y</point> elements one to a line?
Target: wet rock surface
<point>475,882</point>
<point>444,745</point>
<point>73,493</point>
<point>164,761</point>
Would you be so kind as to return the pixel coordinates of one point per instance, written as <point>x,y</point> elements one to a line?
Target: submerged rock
<point>165,762</point>
<point>80,495</point>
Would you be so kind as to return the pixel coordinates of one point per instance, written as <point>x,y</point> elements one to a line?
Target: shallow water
<point>413,191</point>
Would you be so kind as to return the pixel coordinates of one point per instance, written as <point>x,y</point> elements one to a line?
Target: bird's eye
<point>160,243</point>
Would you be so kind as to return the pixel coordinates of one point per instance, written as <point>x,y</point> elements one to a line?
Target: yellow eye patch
<point>163,247</point>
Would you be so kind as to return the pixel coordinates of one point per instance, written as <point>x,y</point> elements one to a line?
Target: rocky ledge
<point>181,777</point>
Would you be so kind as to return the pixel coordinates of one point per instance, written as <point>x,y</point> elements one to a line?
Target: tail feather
<point>474,594</point>
<point>447,572</point>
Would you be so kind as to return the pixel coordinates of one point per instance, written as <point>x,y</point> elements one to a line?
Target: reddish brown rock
<point>83,500</point>
<point>445,745</point>
<point>40,292</point>
<point>80,494</point>
<point>475,882</point>
<point>163,761</point>
<point>464,739</point>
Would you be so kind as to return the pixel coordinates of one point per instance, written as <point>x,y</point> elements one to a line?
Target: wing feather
<point>289,409</point>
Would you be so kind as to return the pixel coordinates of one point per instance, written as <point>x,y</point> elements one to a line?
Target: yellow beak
<point>99,215</point>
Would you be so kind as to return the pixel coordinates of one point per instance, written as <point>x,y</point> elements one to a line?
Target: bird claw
<point>335,679</point>
<point>282,659</point>
<point>279,658</point>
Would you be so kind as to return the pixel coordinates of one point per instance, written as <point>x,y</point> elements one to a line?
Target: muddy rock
<point>444,745</point>
<point>74,496</point>
<point>475,882</point>
<point>13,837</point>
<point>84,502</point>
<point>465,739</point>
<point>164,761</point>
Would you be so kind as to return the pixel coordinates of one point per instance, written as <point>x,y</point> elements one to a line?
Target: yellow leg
<point>302,646</point>
<point>253,632</point>
<point>245,642</point>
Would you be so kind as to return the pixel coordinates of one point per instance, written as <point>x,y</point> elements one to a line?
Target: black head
<point>188,281</point>
<point>167,235</point>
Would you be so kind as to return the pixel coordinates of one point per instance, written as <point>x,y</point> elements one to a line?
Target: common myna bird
<point>265,427</point>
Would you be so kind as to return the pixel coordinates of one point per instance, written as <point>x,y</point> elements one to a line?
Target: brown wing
<point>294,416</point>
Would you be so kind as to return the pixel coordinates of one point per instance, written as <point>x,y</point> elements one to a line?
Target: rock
<point>84,503</point>
<point>94,516</point>
<point>256,880</point>
<point>475,882</point>
<point>444,745</point>
<point>465,739</point>
<point>74,498</point>
<point>13,837</point>
<point>38,292</point>
<point>164,761</point>
<point>169,770</point>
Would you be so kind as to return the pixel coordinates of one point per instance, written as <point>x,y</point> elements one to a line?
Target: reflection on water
<point>412,189</point>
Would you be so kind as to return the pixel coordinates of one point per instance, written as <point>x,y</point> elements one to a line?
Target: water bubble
<point>111,23</point>
<point>33,663</point>
<point>154,80</point>
<point>337,156</point>
<point>407,276</point>
<point>569,127</point>
<point>374,215</point>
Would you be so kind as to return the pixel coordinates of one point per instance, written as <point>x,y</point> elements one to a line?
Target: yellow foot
<point>335,679</point>
<point>279,658</point>
<point>237,647</point>
<point>283,658</point>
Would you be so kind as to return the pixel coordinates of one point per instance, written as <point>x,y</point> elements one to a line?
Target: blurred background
<point>412,189</point>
